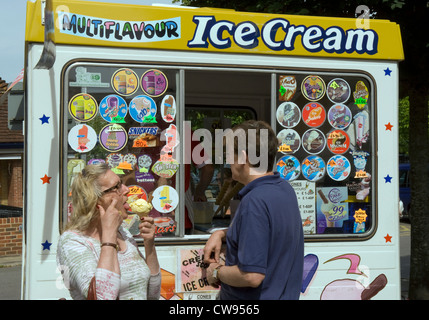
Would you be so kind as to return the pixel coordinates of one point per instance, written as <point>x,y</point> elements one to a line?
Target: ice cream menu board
<point>323,129</point>
<point>126,118</point>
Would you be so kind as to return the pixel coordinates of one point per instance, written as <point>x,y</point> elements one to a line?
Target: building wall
<point>11,182</point>
<point>10,236</point>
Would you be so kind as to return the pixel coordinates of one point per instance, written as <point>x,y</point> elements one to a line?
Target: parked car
<point>404,189</point>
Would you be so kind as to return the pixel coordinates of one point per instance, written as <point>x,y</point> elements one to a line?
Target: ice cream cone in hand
<point>141,207</point>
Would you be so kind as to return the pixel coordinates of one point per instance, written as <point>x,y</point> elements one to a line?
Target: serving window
<point>140,120</point>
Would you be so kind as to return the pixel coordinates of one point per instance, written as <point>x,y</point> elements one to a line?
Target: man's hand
<point>213,246</point>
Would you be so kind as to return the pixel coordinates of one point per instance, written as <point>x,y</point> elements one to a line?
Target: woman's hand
<point>111,220</point>
<point>147,229</point>
<point>147,232</point>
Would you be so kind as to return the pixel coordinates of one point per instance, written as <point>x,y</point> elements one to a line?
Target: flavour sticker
<point>142,109</point>
<point>168,108</point>
<point>287,88</point>
<point>288,167</point>
<point>313,141</point>
<point>145,179</point>
<point>113,108</point>
<point>165,199</point>
<point>82,138</point>
<point>338,90</point>
<point>74,167</point>
<point>313,168</point>
<point>289,141</point>
<point>114,159</point>
<point>338,168</point>
<point>313,88</point>
<point>171,139</point>
<point>306,196</point>
<point>313,114</point>
<point>165,169</point>
<point>144,161</point>
<point>361,95</point>
<point>83,107</point>
<point>338,141</point>
<point>125,82</point>
<point>131,159</point>
<point>113,137</point>
<point>143,137</point>
<point>154,83</point>
<point>331,207</point>
<point>339,116</point>
<point>361,124</point>
<point>164,226</point>
<point>96,161</point>
<point>288,114</point>
<point>360,216</point>
<point>135,193</point>
<point>359,159</point>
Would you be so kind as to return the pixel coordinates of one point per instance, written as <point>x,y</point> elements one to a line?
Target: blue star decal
<point>46,245</point>
<point>44,119</point>
<point>387,72</point>
<point>388,179</point>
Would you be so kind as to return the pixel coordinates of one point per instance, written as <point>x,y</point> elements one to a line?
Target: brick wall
<point>6,135</point>
<point>15,198</point>
<point>10,236</point>
<point>10,185</point>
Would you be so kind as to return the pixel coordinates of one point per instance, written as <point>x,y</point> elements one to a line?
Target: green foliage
<point>404,125</point>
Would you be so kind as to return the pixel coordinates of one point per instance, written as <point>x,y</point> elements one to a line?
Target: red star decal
<point>388,126</point>
<point>46,179</point>
<point>388,238</point>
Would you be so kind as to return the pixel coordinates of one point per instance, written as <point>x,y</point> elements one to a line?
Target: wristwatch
<point>216,273</point>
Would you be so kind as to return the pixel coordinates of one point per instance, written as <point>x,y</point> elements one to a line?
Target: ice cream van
<point>123,84</point>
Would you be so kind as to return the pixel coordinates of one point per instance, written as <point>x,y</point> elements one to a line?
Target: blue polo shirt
<point>266,236</point>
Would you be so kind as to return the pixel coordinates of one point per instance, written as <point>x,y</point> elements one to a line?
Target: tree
<point>404,127</point>
<point>412,17</point>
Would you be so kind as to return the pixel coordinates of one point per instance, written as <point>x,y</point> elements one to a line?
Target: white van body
<point>339,265</point>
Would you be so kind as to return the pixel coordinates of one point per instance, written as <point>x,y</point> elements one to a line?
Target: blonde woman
<point>95,243</point>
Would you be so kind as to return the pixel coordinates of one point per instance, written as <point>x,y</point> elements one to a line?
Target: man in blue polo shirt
<point>265,244</point>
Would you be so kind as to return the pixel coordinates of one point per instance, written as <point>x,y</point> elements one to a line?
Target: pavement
<point>11,261</point>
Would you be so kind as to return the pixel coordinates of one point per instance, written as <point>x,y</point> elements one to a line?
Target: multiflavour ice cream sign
<point>212,30</point>
<point>277,34</point>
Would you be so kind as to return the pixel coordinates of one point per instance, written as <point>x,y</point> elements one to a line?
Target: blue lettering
<point>361,41</point>
<point>246,35</point>
<point>334,41</point>
<point>172,28</point>
<point>136,131</point>
<point>149,31</point>
<point>97,28</point>
<point>291,35</point>
<point>216,34</point>
<point>96,23</point>
<point>269,31</point>
<point>278,34</point>
<point>204,24</point>
<point>311,39</point>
